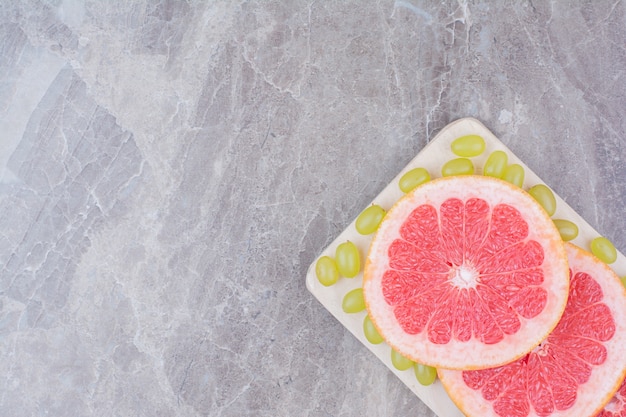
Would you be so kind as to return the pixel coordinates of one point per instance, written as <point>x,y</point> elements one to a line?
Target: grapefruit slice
<point>574,372</point>
<point>466,272</point>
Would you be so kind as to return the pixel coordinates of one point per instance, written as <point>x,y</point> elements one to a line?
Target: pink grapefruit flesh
<point>574,372</point>
<point>466,272</point>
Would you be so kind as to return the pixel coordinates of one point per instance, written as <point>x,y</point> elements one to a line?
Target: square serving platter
<point>432,157</point>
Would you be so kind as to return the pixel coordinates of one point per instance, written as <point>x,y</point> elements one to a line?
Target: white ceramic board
<point>432,157</point>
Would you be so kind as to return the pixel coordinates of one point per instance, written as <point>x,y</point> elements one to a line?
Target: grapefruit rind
<point>431,158</point>
<point>471,354</point>
<point>616,406</point>
<point>605,379</point>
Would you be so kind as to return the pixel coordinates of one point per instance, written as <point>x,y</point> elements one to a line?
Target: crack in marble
<point>189,161</point>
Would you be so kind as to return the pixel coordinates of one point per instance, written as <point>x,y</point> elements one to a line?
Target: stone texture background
<point>169,170</point>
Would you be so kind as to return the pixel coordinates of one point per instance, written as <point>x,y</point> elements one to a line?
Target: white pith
<point>464,276</point>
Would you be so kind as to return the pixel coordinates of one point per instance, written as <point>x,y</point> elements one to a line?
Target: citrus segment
<point>456,277</point>
<point>574,372</point>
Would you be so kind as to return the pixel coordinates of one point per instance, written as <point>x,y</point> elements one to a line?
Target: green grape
<point>496,164</point>
<point>567,229</point>
<point>371,333</point>
<point>623,279</point>
<point>544,197</point>
<point>413,178</point>
<point>326,271</point>
<point>514,174</point>
<point>468,146</point>
<point>458,166</point>
<point>604,250</point>
<point>353,301</point>
<point>425,374</point>
<point>369,219</point>
<point>401,363</point>
<point>348,259</point>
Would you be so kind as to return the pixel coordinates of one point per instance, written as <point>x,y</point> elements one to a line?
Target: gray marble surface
<point>170,169</point>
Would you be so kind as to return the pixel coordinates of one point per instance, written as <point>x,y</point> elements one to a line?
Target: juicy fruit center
<point>464,277</point>
<point>547,379</point>
<point>464,270</point>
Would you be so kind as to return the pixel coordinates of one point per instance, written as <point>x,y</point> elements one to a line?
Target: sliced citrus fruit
<point>574,372</point>
<point>617,405</point>
<point>466,272</point>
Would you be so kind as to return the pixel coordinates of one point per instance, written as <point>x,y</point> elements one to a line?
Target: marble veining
<point>169,170</point>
